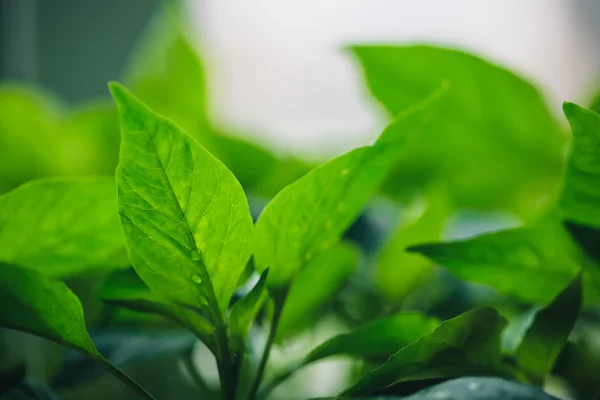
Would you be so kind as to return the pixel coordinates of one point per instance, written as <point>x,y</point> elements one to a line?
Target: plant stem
<point>123,377</point>
<point>225,365</point>
<point>279,300</point>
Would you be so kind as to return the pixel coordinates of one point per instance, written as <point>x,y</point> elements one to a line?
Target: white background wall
<point>276,68</point>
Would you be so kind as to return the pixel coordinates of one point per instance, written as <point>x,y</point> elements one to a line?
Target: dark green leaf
<point>245,310</point>
<point>466,345</point>
<point>314,285</point>
<point>533,263</point>
<point>36,304</point>
<point>493,133</point>
<point>581,192</point>
<point>186,219</point>
<point>126,289</point>
<point>62,226</point>
<point>312,213</point>
<point>579,365</point>
<point>378,339</point>
<point>548,334</point>
<point>481,388</point>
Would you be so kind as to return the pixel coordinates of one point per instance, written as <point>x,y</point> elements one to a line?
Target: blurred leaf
<point>126,289</point>
<point>11,377</point>
<point>518,325</point>
<point>312,213</point>
<point>587,238</point>
<point>244,311</point>
<point>186,219</point>
<point>314,285</point>
<point>579,365</point>
<point>29,390</point>
<point>398,272</point>
<point>62,226</point>
<point>595,104</point>
<point>41,306</point>
<point>548,334</point>
<point>122,349</point>
<point>481,388</point>
<point>378,339</point>
<point>28,123</point>
<point>581,192</point>
<point>493,134</point>
<point>466,345</point>
<point>533,264</point>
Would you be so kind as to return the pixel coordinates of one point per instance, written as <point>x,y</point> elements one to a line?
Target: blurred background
<point>271,87</point>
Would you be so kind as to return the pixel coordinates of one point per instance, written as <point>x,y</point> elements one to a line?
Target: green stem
<point>123,377</point>
<point>279,300</point>
<point>225,365</point>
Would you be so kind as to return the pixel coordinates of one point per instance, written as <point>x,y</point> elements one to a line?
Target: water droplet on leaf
<point>196,279</point>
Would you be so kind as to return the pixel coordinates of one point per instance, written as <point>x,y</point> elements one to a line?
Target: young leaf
<point>311,214</point>
<point>493,132</point>
<point>581,193</point>
<point>378,339</point>
<point>39,305</point>
<point>186,219</point>
<point>62,226</point>
<point>548,334</point>
<point>533,263</point>
<point>466,345</point>
<point>245,310</point>
<point>314,285</point>
<point>126,289</point>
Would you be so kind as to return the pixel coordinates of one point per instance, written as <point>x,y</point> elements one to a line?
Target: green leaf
<point>581,192</point>
<point>245,310</point>
<point>481,388</point>
<point>311,214</point>
<point>466,345</point>
<point>398,272</point>
<point>316,284</point>
<point>378,339</point>
<point>533,264</point>
<point>62,226</point>
<point>186,219</point>
<point>548,334</point>
<point>36,304</point>
<point>493,133</point>
<point>126,289</point>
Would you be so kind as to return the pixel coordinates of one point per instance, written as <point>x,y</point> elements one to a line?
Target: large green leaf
<point>493,134</point>
<point>548,334</point>
<point>126,289</point>
<point>378,339</point>
<point>581,192</point>
<point>314,285</point>
<point>36,304</point>
<point>466,345</point>
<point>311,214</point>
<point>533,263</point>
<point>186,219</point>
<point>62,226</point>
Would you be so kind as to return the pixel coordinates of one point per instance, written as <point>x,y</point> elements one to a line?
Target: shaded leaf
<point>126,289</point>
<point>398,272</point>
<point>493,133</point>
<point>244,311</point>
<point>548,334</point>
<point>122,349</point>
<point>378,339</point>
<point>581,193</point>
<point>533,264</point>
<point>186,219</point>
<point>579,365</point>
<point>39,305</point>
<point>312,213</point>
<point>314,285</point>
<point>466,345</point>
<point>481,388</point>
<point>62,226</point>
